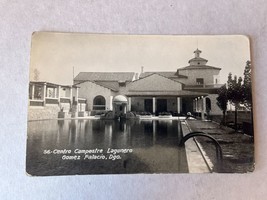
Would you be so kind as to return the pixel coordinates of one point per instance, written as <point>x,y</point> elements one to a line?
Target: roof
<point>212,89</point>
<point>167,74</point>
<point>166,93</point>
<point>51,84</point>
<point>105,76</point>
<point>154,82</point>
<point>113,85</point>
<point>120,99</point>
<point>198,59</point>
<point>199,67</point>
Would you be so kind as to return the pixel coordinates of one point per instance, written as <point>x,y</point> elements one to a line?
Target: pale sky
<point>55,54</point>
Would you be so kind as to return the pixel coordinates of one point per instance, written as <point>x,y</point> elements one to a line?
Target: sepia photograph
<point>129,104</point>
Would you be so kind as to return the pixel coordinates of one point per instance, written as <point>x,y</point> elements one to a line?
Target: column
<point>154,105</point>
<point>77,93</point>
<point>111,103</point>
<point>129,104</point>
<point>58,93</point>
<point>71,95</point>
<point>124,108</point>
<point>33,88</point>
<point>178,105</point>
<point>203,111</point>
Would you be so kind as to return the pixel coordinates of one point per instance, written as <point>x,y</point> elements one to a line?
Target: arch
<point>208,104</point>
<point>120,99</point>
<point>99,103</point>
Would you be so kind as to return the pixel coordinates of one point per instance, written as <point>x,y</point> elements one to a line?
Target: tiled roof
<point>113,85</point>
<point>154,82</point>
<point>199,67</point>
<point>104,76</point>
<point>165,74</point>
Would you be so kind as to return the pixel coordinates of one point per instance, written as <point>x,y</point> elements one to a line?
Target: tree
<point>247,85</point>
<point>235,93</point>
<point>36,74</point>
<point>222,101</point>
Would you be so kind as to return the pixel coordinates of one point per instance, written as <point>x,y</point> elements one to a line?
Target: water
<point>154,146</point>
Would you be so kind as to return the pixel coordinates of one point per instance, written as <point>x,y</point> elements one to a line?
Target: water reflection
<point>154,144</point>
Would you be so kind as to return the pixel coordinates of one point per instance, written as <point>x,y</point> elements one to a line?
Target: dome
<point>119,99</point>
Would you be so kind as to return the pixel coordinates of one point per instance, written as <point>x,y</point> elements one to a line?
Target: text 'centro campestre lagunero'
<point>89,154</point>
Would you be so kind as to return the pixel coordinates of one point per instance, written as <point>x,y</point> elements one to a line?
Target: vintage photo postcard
<point>126,104</point>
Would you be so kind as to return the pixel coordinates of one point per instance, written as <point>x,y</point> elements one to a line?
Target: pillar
<point>111,103</point>
<point>203,110</point>
<point>33,88</point>
<point>77,94</point>
<point>178,105</point>
<point>124,108</point>
<point>196,102</point>
<point>154,105</point>
<point>71,95</point>
<point>129,103</point>
<point>58,93</point>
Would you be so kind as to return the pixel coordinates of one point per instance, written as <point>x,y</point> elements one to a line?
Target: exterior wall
<point>171,104</point>
<point>193,74</point>
<point>89,91</point>
<point>47,112</point>
<point>138,103</point>
<point>215,110</point>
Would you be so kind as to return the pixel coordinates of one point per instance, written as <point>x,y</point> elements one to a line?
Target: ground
<point>237,148</point>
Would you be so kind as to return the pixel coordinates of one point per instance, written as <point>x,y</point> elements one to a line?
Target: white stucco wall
<point>90,90</point>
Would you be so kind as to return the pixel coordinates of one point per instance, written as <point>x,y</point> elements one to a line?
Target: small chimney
<point>142,69</point>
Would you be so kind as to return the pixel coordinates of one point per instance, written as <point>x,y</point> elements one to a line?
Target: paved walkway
<point>238,149</point>
<point>195,161</point>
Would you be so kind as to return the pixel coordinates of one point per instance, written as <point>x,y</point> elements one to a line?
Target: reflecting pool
<point>67,147</point>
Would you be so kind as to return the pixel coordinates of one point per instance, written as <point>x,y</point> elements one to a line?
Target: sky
<point>55,55</point>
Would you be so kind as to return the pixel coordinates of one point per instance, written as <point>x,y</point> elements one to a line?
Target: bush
<point>165,113</point>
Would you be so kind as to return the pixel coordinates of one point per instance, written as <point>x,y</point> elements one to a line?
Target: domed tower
<point>197,60</point>
<point>198,72</point>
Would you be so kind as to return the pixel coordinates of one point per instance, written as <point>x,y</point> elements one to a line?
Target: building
<point>189,89</point>
<point>192,88</point>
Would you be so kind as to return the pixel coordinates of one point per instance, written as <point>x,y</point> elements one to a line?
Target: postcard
<point>129,104</point>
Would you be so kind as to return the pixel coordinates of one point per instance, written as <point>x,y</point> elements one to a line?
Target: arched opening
<point>120,105</point>
<point>208,104</point>
<point>99,103</point>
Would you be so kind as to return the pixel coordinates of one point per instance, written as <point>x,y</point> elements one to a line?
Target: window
<point>37,92</point>
<point>99,103</point>
<point>208,104</point>
<point>200,81</point>
<point>122,83</point>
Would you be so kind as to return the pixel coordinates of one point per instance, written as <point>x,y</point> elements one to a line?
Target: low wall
<point>47,112</point>
<point>230,117</point>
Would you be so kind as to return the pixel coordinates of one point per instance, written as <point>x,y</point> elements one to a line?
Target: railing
<point>35,102</point>
<point>219,154</point>
<point>81,100</point>
<point>64,99</point>
<point>49,100</point>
